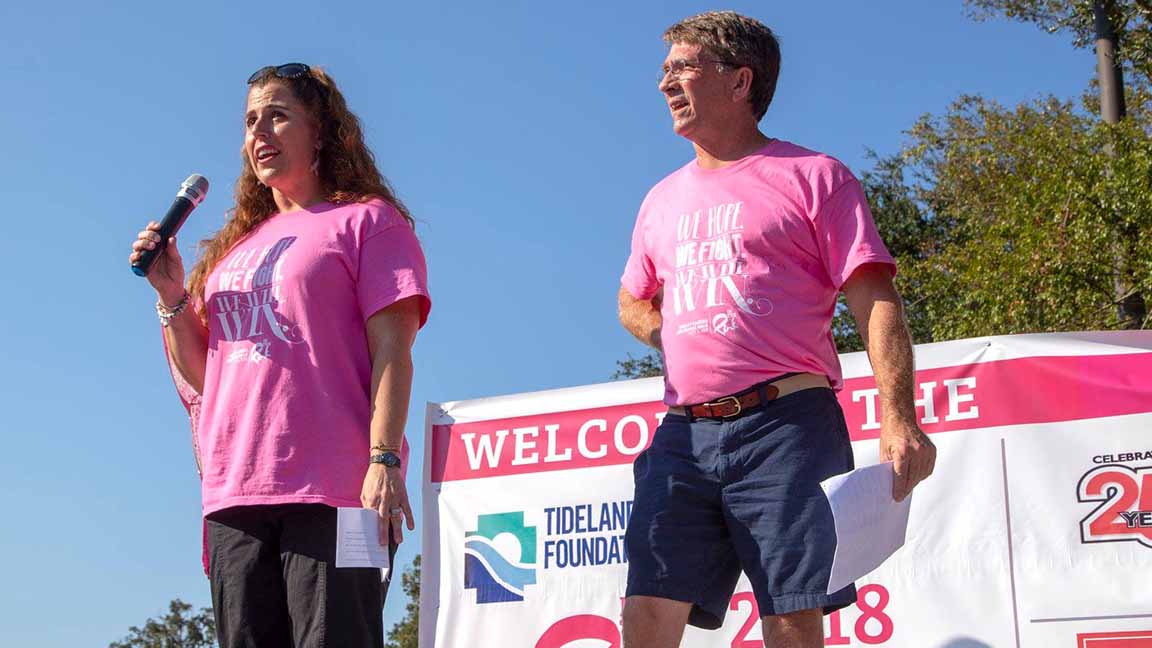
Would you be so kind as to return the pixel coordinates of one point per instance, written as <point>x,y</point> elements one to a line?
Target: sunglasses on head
<point>286,71</point>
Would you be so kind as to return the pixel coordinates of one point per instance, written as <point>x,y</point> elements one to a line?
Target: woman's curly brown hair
<point>347,171</point>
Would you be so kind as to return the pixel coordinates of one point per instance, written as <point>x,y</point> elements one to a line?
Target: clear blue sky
<point>522,135</point>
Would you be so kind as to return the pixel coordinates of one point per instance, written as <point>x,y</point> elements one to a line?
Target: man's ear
<point>742,84</point>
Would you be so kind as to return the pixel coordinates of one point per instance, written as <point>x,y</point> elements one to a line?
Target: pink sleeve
<point>189,397</point>
<point>191,400</point>
<point>848,235</point>
<point>639,277</point>
<point>391,267</point>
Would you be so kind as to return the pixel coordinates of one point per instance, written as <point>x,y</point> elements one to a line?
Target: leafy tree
<point>406,632</point>
<point>1030,204</point>
<point>1017,219</point>
<point>1132,20</point>
<point>646,366</point>
<point>1125,29</point>
<point>180,628</point>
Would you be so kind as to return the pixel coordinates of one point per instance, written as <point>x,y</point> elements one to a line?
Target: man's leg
<point>651,622</point>
<point>681,566</point>
<point>779,517</point>
<point>802,629</point>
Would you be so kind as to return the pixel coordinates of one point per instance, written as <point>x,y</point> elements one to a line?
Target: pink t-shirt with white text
<point>751,258</point>
<point>286,407</point>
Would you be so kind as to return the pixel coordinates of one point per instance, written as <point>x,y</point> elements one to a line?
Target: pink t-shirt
<point>751,257</point>
<point>286,406</point>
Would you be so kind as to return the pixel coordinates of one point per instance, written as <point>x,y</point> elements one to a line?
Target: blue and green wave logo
<point>496,567</point>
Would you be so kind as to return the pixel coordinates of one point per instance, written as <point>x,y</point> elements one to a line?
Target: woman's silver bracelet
<point>167,314</point>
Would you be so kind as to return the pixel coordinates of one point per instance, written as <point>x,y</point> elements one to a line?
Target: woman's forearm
<point>391,333</point>
<point>391,389</point>
<point>187,342</point>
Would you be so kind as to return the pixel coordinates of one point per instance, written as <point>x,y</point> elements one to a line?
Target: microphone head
<point>195,189</point>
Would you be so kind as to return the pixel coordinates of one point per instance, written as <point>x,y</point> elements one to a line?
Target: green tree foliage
<point>1029,206</point>
<point>406,632</point>
<point>1132,20</point>
<point>646,366</point>
<point>1016,220</point>
<point>180,628</point>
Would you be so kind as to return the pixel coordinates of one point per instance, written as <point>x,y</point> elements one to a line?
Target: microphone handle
<point>171,223</point>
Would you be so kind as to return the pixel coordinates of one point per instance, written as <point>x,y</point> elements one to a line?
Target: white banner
<point>1035,530</point>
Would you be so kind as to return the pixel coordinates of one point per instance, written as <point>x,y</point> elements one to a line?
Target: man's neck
<point>714,151</point>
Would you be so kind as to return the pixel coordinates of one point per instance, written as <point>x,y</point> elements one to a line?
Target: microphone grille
<point>195,188</point>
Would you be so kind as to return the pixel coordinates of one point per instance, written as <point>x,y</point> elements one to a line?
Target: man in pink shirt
<point>737,260</point>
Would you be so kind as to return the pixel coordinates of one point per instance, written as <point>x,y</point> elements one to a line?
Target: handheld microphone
<point>191,194</point>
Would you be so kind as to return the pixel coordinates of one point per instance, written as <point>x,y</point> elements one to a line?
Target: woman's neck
<point>297,198</point>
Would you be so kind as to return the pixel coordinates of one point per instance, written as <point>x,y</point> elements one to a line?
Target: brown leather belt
<point>734,405</point>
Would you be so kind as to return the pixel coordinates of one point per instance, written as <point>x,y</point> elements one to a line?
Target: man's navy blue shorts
<point>714,497</point>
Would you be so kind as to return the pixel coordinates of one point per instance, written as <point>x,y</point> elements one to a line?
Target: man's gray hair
<point>737,40</point>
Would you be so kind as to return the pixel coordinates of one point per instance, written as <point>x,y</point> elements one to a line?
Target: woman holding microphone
<point>295,328</point>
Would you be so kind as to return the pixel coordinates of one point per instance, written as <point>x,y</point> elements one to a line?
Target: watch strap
<point>389,459</point>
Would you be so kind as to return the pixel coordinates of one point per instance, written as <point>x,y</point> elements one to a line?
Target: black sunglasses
<point>286,71</point>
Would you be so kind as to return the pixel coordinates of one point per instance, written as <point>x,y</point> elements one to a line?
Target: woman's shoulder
<point>381,208</point>
<point>371,216</point>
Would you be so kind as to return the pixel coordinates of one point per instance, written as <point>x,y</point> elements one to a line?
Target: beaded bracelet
<point>167,314</point>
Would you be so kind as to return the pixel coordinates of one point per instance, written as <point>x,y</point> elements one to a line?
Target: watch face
<point>391,460</point>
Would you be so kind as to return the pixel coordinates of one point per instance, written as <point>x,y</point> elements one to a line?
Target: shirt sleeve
<point>639,277</point>
<point>392,267</point>
<point>848,235</point>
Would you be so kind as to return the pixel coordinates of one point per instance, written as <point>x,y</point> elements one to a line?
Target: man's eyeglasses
<point>286,71</point>
<point>678,68</point>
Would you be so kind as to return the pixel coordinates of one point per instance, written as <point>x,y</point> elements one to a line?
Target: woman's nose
<point>261,126</point>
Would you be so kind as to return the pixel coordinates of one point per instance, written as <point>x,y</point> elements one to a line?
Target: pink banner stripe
<point>963,397</point>
<point>1015,392</point>
<point>602,436</point>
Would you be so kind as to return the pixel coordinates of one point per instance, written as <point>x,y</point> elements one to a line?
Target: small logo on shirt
<point>724,323</point>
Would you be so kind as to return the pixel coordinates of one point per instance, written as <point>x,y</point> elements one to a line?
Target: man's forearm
<point>879,314</point>
<point>641,318</point>
<point>889,347</point>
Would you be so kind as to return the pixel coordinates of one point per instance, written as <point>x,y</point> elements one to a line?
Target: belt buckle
<point>739,407</point>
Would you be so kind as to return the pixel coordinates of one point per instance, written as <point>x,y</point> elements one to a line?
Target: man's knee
<point>800,629</point>
<point>651,622</point>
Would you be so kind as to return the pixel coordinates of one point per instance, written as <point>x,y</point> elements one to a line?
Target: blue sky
<point>522,135</point>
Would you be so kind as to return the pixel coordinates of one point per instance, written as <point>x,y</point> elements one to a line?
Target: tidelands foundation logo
<point>500,557</point>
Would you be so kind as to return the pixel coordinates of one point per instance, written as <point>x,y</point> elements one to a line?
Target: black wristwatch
<point>389,459</point>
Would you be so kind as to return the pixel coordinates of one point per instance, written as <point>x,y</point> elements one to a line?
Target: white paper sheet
<point>358,539</point>
<point>870,525</point>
